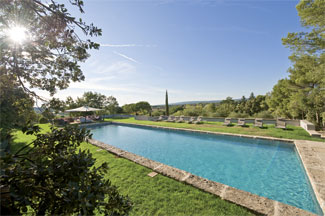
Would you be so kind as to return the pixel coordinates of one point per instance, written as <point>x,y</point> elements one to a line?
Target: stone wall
<point>307,125</point>
<point>118,116</point>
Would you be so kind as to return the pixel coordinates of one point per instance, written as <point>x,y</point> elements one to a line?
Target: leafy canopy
<point>305,88</point>
<point>49,58</point>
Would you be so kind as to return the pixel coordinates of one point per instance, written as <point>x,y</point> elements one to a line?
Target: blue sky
<point>197,50</point>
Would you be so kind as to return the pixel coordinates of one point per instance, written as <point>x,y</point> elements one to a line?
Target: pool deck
<point>312,155</point>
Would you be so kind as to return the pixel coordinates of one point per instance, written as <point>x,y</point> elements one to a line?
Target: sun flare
<point>17,34</point>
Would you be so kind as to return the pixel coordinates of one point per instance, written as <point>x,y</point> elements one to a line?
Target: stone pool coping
<point>312,159</point>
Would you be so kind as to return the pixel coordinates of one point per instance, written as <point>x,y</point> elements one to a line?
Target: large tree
<point>39,48</point>
<point>48,56</point>
<point>307,75</point>
<point>16,107</point>
<point>143,107</point>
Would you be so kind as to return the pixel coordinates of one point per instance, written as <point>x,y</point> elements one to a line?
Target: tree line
<point>108,104</point>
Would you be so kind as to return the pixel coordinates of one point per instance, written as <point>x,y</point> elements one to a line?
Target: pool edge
<point>314,166</point>
<point>246,199</point>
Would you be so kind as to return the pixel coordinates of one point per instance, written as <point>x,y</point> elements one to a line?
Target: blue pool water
<point>267,168</point>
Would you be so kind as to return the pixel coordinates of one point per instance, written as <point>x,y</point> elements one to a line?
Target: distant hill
<point>191,102</point>
<point>188,102</point>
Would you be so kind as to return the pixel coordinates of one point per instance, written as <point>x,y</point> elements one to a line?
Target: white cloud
<point>114,69</point>
<point>126,57</point>
<point>128,45</point>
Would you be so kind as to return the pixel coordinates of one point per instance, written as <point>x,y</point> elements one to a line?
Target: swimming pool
<point>267,168</point>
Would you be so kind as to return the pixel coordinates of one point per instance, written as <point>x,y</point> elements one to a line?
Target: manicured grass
<point>292,132</point>
<point>152,196</point>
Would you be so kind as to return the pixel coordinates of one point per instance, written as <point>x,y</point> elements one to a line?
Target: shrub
<point>264,114</point>
<point>55,177</point>
<point>238,115</point>
<point>157,113</point>
<point>178,113</point>
<point>43,120</point>
<point>59,122</point>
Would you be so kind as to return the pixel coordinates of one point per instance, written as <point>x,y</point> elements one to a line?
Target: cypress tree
<point>166,104</point>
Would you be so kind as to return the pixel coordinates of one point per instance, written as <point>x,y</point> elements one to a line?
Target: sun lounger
<point>180,119</point>
<point>258,122</point>
<point>241,122</point>
<point>280,123</point>
<point>170,119</point>
<point>192,119</point>
<point>227,122</point>
<point>161,118</point>
<point>198,121</point>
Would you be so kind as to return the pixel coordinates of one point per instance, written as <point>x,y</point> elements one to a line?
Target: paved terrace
<point>311,153</point>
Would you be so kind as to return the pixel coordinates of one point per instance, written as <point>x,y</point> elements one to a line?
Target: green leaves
<point>303,94</point>
<point>49,59</point>
<point>55,177</point>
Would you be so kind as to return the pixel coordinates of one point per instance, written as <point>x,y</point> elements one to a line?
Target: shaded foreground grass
<point>292,132</point>
<point>151,196</point>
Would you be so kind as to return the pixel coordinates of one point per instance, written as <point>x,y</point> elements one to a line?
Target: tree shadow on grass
<point>16,146</point>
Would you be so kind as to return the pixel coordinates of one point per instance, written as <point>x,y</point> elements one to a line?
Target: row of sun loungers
<point>241,122</point>
<point>180,119</point>
<point>280,123</point>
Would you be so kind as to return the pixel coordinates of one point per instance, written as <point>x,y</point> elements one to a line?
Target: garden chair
<point>181,119</point>
<point>161,118</point>
<point>258,122</point>
<point>198,121</point>
<point>227,122</point>
<point>170,119</point>
<point>280,123</point>
<point>192,119</point>
<point>241,122</point>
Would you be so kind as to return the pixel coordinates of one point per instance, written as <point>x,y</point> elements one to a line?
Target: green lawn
<point>292,132</point>
<point>152,196</point>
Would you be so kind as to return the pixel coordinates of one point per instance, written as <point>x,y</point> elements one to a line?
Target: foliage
<point>93,99</point>
<point>157,113</point>
<point>49,58</point>
<point>307,74</point>
<point>225,107</point>
<point>209,109</point>
<point>16,107</point>
<point>51,176</point>
<point>54,105</point>
<point>192,110</point>
<point>129,108</point>
<point>143,107</point>
<point>264,114</point>
<point>43,120</point>
<point>233,108</point>
<point>174,109</point>
<point>279,99</point>
<point>238,115</point>
<point>112,105</point>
